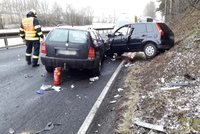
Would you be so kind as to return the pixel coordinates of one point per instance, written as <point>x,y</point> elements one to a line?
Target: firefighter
<point>30,32</point>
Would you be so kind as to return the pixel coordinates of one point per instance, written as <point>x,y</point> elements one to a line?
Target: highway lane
<point>25,111</point>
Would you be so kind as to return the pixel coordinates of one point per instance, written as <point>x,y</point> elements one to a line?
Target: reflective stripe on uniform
<point>37,26</point>
<point>21,34</point>
<point>31,38</point>
<point>21,29</point>
<point>30,35</point>
<point>35,57</point>
<point>40,33</point>
<point>28,54</point>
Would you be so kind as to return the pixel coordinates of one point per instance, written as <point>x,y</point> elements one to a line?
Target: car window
<point>149,28</point>
<point>165,28</point>
<point>58,35</point>
<point>139,28</point>
<point>123,31</point>
<point>77,36</point>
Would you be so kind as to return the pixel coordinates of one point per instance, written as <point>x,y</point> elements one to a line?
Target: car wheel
<point>49,69</point>
<point>97,70</point>
<point>150,50</point>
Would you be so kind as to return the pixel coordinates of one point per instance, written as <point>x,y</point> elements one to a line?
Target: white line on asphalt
<point>88,120</point>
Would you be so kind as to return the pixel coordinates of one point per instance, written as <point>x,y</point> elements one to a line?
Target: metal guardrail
<point>13,33</point>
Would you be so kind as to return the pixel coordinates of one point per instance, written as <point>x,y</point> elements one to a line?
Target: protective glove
<point>41,40</point>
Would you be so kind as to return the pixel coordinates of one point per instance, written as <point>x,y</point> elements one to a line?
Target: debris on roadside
<point>150,126</point>
<point>72,86</point>
<point>128,65</point>
<point>45,87</point>
<point>40,92</point>
<point>28,76</point>
<point>56,88</point>
<point>189,77</point>
<point>94,79</point>
<point>48,127</point>
<point>116,96</point>
<point>112,102</point>
<point>120,89</point>
<point>170,88</point>
<point>99,125</point>
<point>128,57</point>
<point>11,131</point>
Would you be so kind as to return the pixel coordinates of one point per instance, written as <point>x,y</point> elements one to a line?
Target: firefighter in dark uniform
<point>30,32</point>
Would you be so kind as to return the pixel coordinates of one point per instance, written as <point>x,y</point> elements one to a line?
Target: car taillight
<point>91,53</point>
<point>43,48</point>
<point>159,29</point>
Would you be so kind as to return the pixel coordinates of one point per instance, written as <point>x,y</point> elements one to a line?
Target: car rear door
<point>137,37</point>
<point>68,43</point>
<point>120,39</point>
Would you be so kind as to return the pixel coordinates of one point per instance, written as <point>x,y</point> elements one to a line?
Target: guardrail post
<point>6,42</point>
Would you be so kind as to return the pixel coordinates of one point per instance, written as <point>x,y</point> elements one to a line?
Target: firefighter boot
<point>28,60</point>
<point>35,63</point>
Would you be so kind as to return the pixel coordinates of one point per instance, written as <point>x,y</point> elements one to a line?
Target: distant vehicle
<point>150,38</point>
<point>73,47</point>
<point>145,19</point>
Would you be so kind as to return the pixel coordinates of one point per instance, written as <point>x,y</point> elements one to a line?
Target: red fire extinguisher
<point>57,76</point>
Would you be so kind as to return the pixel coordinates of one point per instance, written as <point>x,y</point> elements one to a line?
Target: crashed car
<point>149,37</point>
<point>73,48</point>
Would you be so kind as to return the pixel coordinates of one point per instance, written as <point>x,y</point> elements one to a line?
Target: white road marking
<point>88,120</point>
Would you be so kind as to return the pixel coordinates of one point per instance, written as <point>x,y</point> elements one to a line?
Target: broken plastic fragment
<point>49,126</point>
<point>116,96</point>
<point>11,131</point>
<point>120,89</point>
<point>45,87</point>
<point>40,92</point>
<point>56,88</point>
<point>94,78</point>
<point>99,125</point>
<point>72,86</point>
<point>112,102</point>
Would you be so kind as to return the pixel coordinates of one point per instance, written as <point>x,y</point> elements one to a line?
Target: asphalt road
<point>25,111</point>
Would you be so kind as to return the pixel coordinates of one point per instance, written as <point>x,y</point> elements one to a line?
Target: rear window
<point>78,36</point>
<point>58,35</point>
<point>165,28</point>
<point>65,35</point>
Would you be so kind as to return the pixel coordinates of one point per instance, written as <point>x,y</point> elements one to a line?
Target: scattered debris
<point>99,125</point>
<point>116,96</point>
<point>189,77</point>
<point>72,86</point>
<point>11,131</point>
<point>96,131</point>
<point>56,88</point>
<point>150,126</point>
<point>90,82</point>
<point>48,127</point>
<point>45,87</point>
<point>170,88</point>
<point>128,57</point>
<point>112,102</point>
<point>162,80</point>
<point>177,84</point>
<point>94,79</point>
<point>28,76</point>
<point>40,92</point>
<point>129,65</point>
<point>120,89</point>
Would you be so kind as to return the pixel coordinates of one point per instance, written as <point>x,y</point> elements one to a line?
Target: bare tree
<point>150,10</point>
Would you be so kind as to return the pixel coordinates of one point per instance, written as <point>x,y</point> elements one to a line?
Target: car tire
<point>49,69</point>
<point>97,70</point>
<point>150,50</point>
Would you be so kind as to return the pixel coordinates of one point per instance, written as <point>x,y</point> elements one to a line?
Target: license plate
<point>66,52</point>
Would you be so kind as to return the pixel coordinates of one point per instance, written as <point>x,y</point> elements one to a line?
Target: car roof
<point>84,28</point>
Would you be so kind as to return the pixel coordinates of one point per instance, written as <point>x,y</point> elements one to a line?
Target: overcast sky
<point>105,7</point>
